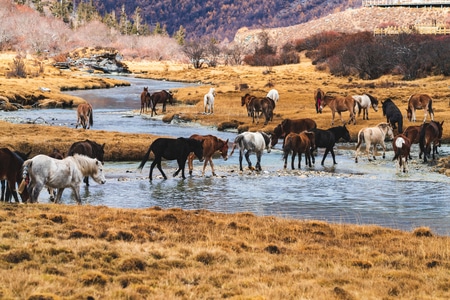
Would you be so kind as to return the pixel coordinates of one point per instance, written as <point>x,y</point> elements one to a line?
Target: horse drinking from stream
<point>88,148</point>
<point>430,133</point>
<point>85,116</point>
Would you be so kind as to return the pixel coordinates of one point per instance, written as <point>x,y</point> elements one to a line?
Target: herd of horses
<point>85,159</point>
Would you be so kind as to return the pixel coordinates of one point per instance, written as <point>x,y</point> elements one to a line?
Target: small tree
<point>196,52</point>
<point>180,35</point>
<point>18,68</point>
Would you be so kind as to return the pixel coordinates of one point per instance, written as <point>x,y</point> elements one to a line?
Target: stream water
<point>362,193</point>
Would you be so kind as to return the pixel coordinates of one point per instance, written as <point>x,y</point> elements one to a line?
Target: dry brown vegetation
<point>71,252</point>
<point>85,252</point>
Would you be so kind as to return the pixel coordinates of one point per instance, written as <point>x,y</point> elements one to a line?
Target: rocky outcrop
<point>105,60</point>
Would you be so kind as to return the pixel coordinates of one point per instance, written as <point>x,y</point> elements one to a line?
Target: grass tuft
<point>133,264</point>
<point>423,232</point>
<point>17,256</point>
<point>94,278</point>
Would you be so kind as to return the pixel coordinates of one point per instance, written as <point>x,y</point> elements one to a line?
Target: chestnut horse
<point>413,134</point>
<point>298,143</point>
<point>85,116</point>
<point>318,97</point>
<point>160,97</point>
<point>402,147</point>
<point>245,100</point>
<point>291,125</point>
<point>430,133</point>
<point>145,100</point>
<point>211,144</point>
<point>339,104</point>
<point>419,101</point>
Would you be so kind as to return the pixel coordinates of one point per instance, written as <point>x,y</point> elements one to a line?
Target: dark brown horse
<point>298,143</point>
<point>172,149</point>
<point>402,147</point>
<point>245,100</point>
<point>291,125</point>
<point>318,96</point>
<point>11,171</point>
<point>413,134</point>
<point>419,101</point>
<point>145,100</point>
<point>211,144</point>
<point>339,104</point>
<point>88,148</point>
<point>430,133</point>
<point>160,97</point>
<point>85,116</point>
<point>261,105</point>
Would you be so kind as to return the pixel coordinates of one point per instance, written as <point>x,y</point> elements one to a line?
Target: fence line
<point>439,29</point>
<point>441,3</point>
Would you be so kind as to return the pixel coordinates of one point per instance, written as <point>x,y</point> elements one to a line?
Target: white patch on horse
<point>208,101</point>
<point>399,142</point>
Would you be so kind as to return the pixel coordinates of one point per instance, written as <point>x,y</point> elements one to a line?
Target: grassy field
<point>86,252</point>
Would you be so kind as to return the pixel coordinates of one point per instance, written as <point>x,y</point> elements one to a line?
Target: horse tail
<point>144,160</point>
<point>237,141</point>
<point>91,118</point>
<point>400,125</point>
<point>430,106</point>
<point>360,139</point>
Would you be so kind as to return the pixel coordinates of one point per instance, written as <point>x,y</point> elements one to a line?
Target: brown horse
<point>145,100</point>
<point>430,133</point>
<point>402,147</point>
<point>291,125</point>
<point>419,101</point>
<point>85,116</point>
<point>318,96</point>
<point>298,143</point>
<point>11,170</point>
<point>211,144</point>
<point>339,104</point>
<point>160,97</point>
<point>245,100</point>
<point>413,134</point>
<point>261,105</point>
<point>88,148</point>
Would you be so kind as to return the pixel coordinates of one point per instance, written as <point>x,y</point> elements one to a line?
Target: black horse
<point>88,148</point>
<point>10,172</point>
<point>160,97</point>
<point>393,114</point>
<point>172,149</point>
<point>328,138</point>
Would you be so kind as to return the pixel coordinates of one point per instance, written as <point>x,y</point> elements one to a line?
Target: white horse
<point>364,102</point>
<point>43,170</point>
<point>373,136</point>
<point>208,101</point>
<point>252,142</point>
<point>273,94</point>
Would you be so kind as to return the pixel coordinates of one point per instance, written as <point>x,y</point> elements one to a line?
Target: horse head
<point>345,133</point>
<point>169,97</point>
<point>389,131</point>
<point>409,113</point>
<point>267,140</point>
<point>224,149</point>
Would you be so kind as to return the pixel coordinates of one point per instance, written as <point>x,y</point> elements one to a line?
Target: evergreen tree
<point>180,35</point>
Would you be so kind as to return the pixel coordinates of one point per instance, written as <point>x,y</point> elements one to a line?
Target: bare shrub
<point>18,68</point>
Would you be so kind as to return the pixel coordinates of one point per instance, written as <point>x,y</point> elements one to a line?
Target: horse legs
<point>157,163</point>
<point>181,165</point>
<point>36,190</point>
<point>211,164</point>
<point>164,107</point>
<point>240,159</point>
<point>3,183</point>
<point>258,161</point>
<point>247,158</point>
<point>76,192</point>
<point>384,149</point>
<point>190,162</point>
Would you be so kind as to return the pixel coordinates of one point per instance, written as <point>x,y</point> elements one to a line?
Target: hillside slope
<point>351,20</point>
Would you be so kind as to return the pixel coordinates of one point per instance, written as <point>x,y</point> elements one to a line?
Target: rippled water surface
<point>363,193</point>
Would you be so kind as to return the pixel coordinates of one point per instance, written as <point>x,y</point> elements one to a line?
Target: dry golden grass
<point>71,252</point>
<point>77,252</point>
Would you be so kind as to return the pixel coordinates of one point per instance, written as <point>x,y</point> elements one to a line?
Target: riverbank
<point>80,252</point>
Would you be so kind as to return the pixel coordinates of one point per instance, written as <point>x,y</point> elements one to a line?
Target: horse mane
<point>372,98</point>
<point>267,138</point>
<point>85,163</point>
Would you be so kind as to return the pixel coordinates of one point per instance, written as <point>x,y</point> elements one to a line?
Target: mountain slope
<point>351,20</point>
<point>222,18</point>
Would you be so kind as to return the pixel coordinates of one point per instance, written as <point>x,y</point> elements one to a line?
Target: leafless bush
<point>18,68</point>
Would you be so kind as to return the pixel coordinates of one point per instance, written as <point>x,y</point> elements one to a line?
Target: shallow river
<point>363,193</point>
